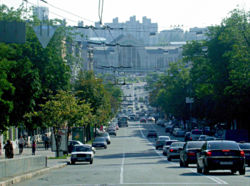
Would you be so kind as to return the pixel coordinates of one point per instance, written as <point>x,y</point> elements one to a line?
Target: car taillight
<point>190,138</point>
<point>209,153</point>
<point>225,150</point>
<point>242,153</point>
<point>171,150</point>
<point>191,153</point>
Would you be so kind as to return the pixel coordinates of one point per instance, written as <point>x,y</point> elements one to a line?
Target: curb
<point>27,176</point>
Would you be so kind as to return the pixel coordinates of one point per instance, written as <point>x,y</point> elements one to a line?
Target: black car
<point>100,142</point>
<point>221,155</point>
<point>188,153</point>
<point>246,148</point>
<point>152,133</point>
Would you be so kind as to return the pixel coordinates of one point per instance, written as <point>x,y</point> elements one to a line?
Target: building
<point>42,13</point>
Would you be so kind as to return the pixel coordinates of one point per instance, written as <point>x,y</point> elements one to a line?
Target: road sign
<point>44,33</point>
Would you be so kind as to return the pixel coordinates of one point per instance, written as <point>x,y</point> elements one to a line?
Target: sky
<point>167,13</point>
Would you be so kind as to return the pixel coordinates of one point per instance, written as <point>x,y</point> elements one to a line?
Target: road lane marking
<point>122,168</point>
<point>213,178</point>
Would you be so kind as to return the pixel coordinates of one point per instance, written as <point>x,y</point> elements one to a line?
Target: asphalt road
<point>131,159</point>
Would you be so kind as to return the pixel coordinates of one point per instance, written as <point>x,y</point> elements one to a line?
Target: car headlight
<point>73,155</point>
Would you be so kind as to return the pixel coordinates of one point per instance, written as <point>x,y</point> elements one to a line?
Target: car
<point>221,155</point>
<point>168,128</point>
<point>178,132</point>
<point>82,153</point>
<point>161,141</point>
<point>246,148</point>
<point>72,143</point>
<point>100,142</point>
<point>210,138</point>
<point>188,153</point>
<point>187,137</point>
<point>112,131</point>
<point>174,150</point>
<point>152,133</point>
<point>202,138</point>
<point>160,122</point>
<point>166,146</point>
<point>195,134</point>
<point>106,136</point>
<point>151,119</point>
<point>143,120</point>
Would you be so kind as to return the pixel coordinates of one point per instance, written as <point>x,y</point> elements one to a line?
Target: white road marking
<point>122,168</point>
<point>213,178</point>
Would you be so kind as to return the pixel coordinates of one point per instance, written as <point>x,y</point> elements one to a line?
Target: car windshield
<point>223,145</point>
<point>99,139</point>
<point>163,138</point>
<point>82,149</point>
<point>198,132</point>
<point>177,144</point>
<point>195,144</point>
<point>244,145</point>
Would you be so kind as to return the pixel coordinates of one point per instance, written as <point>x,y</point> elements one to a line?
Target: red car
<point>143,120</point>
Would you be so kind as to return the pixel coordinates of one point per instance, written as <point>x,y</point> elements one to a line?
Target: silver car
<point>174,150</point>
<point>166,146</point>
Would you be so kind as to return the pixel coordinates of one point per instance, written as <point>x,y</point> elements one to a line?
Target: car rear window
<point>223,145</point>
<point>195,144</point>
<point>177,144</point>
<point>164,138</point>
<point>169,142</point>
<point>244,145</point>
<point>198,132</point>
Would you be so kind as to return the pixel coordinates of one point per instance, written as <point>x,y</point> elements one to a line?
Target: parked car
<point>166,146</point>
<point>221,155</point>
<point>174,150</point>
<point>187,137</point>
<point>152,133</point>
<point>246,148</point>
<point>202,138</point>
<point>188,154</point>
<point>81,153</point>
<point>195,134</point>
<point>100,142</point>
<point>178,132</point>
<point>161,141</point>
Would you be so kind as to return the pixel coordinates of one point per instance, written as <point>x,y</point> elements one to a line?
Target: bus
<point>123,121</point>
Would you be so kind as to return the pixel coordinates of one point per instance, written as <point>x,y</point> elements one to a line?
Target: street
<point>131,159</point>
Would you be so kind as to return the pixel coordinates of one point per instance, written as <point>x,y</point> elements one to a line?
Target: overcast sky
<point>166,13</point>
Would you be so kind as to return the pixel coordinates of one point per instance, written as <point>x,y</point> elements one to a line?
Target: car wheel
<point>164,153</point>
<point>185,164</point>
<point>109,142</point>
<point>242,171</point>
<point>91,161</point>
<point>156,148</point>
<point>73,162</point>
<point>169,159</point>
<point>105,147</point>
<point>199,170</point>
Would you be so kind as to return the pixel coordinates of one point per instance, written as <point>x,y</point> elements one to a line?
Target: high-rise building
<point>42,13</point>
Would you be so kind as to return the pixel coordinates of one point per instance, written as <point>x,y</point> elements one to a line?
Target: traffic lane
<point>222,176</point>
<point>150,167</point>
<point>104,170</point>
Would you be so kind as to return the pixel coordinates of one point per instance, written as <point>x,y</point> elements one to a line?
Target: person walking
<point>21,144</point>
<point>0,148</point>
<point>46,142</point>
<point>34,147</point>
<point>9,151</point>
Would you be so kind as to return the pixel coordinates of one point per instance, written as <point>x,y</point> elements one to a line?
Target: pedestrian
<point>21,144</point>
<point>0,148</point>
<point>46,142</point>
<point>9,152</point>
<point>34,147</point>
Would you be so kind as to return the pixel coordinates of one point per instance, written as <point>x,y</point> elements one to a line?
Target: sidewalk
<point>51,165</point>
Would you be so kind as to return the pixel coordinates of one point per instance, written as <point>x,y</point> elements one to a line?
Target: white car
<point>82,153</point>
